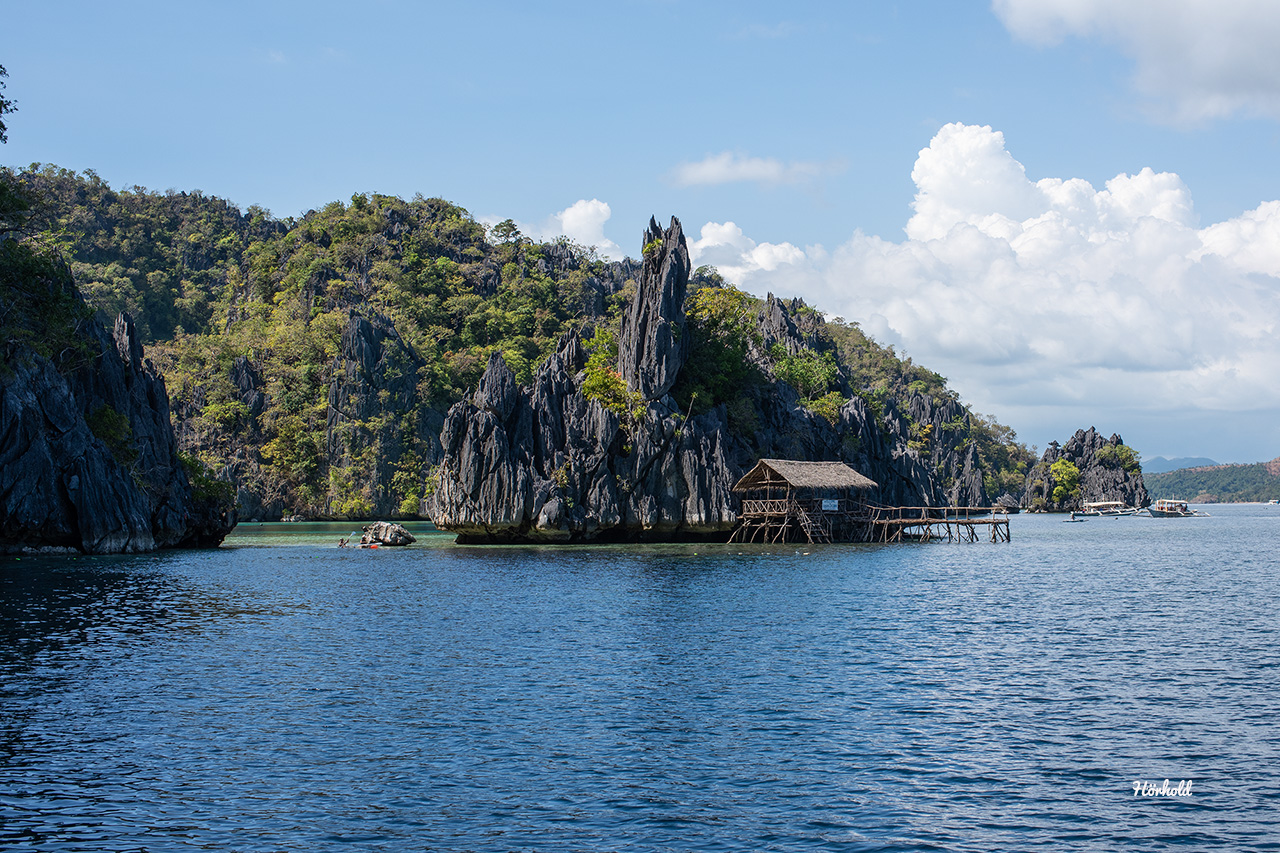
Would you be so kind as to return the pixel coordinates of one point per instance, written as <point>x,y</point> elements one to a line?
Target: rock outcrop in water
<point>386,533</point>
<point>544,463</point>
<point>1103,473</point>
<point>88,459</point>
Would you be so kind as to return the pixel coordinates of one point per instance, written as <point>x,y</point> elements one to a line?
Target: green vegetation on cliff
<point>253,322</point>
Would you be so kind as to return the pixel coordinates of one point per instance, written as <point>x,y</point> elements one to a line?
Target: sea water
<point>281,694</point>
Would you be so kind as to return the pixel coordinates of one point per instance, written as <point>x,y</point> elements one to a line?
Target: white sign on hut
<point>786,501</point>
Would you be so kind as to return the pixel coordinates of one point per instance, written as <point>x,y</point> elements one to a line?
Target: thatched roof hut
<point>786,501</point>
<point>784,473</point>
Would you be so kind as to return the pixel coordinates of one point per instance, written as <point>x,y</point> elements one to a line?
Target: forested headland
<point>1259,481</point>
<point>310,360</point>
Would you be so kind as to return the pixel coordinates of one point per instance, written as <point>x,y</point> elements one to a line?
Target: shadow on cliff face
<point>88,461</point>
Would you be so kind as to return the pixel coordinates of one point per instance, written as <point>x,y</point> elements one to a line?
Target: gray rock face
<point>88,458</point>
<point>958,464</point>
<point>386,533</point>
<point>651,345</point>
<point>543,463</point>
<point>1100,479</point>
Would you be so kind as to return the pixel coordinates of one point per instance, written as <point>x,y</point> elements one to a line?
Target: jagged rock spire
<point>652,346</point>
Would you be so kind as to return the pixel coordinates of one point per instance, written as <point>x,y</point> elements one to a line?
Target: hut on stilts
<point>786,501</point>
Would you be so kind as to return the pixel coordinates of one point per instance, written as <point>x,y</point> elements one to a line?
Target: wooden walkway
<point>927,524</point>
<point>791,520</point>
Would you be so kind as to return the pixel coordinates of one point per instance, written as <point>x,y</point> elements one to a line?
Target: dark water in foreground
<point>280,695</point>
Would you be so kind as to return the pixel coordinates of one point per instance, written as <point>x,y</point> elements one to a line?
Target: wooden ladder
<point>814,531</point>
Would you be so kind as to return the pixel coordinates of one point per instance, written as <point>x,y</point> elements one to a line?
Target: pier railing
<point>924,523</point>
<point>819,520</point>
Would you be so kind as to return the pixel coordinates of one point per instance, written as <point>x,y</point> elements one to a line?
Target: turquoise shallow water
<point>278,694</point>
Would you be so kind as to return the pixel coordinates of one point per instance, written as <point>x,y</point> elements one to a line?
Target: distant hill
<point>1219,483</point>
<point>1161,465</point>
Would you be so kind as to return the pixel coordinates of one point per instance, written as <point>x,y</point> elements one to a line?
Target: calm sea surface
<point>278,694</point>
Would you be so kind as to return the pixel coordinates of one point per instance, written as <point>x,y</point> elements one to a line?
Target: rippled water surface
<point>278,694</point>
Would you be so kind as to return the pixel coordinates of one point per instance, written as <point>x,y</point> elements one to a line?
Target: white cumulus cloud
<point>737,256</point>
<point>583,222</point>
<point>1050,293</point>
<point>1204,58</point>
<point>728,167</point>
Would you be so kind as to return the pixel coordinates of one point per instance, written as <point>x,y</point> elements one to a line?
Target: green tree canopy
<point>1066,477</point>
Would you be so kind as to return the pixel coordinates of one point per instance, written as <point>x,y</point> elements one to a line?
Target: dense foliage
<point>253,322</point>
<point>38,310</point>
<point>604,384</point>
<point>720,322</point>
<point>1066,480</point>
<point>1119,456</point>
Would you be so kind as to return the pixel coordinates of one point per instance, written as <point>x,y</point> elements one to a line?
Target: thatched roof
<point>802,475</point>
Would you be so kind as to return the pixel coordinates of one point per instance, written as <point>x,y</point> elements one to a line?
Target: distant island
<point>310,362</point>
<point>1088,468</point>
<point>1259,481</point>
<point>1161,465</point>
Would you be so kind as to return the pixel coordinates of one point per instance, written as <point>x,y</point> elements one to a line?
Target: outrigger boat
<point>1108,508</point>
<point>1169,508</point>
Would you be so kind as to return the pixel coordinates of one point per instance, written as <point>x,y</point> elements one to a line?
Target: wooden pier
<point>929,524</point>
<point>816,502</point>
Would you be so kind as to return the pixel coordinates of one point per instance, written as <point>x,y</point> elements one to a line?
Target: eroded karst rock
<point>651,346</point>
<point>545,463</point>
<point>386,533</point>
<point>88,459</point>
<point>1103,474</point>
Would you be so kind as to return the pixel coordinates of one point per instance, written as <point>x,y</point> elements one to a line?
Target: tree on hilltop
<point>7,105</point>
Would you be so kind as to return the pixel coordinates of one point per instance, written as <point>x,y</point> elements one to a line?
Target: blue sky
<point>937,171</point>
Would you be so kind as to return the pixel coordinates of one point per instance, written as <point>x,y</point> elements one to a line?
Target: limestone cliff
<point>544,462</point>
<point>651,346</point>
<point>88,459</point>
<point>1106,473</point>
